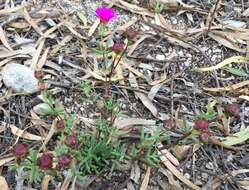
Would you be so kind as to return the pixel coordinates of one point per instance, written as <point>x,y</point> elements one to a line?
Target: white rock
<point>20,78</point>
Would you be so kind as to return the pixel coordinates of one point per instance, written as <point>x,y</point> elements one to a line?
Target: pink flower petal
<point>105,14</point>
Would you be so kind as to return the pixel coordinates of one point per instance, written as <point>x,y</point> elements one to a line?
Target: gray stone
<point>20,78</point>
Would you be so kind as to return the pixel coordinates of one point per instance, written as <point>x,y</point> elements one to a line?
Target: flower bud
<point>204,137</point>
<point>71,141</point>
<point>60,124</point>
<point>233,109</point>
<point>21,150</point>
<point>39,74</point>
<point>118,47</point>
<point>201,124</point>
<point>64,160</point>
<point>130,33</point>
<point>45,161</point>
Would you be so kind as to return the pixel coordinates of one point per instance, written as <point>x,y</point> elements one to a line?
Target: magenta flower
<point>105,14</point>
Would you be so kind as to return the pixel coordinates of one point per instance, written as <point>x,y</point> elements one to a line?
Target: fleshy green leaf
<point>237,138</point>
<point>234,71</point>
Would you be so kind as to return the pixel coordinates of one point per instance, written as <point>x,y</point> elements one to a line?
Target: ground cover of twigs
<point>124,94</point>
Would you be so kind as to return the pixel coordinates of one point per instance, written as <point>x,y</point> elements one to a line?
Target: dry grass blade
<point>230,88</point>
<point>146,179</point>
<point>234,59</point>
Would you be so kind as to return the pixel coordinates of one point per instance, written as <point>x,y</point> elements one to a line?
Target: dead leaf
<point>4,161</point>
<point>93,27</point>
<point>31,22</point>
<point>128,122</point>
<point>36,120</point>
<point>4,40</point>
<point>49,135</point>
<point>174,184</point>
<point>45,182</point>
<point>37,54</point>
<point>43,59</point>
<point>233,59</point>
<point>165,153</point>
<point>229,88</point>
<point>134,46</point>
<point>226,40</point>
<point>135,172</point>
<point>62,43</point>
<point>178,174</point>
<point>23,134</point>
<point>133,8</point>
<point>181,151</point>
<point>153,91</point>
<point>14,9</point>
<point>3,183</point>
<point>21,24</point>
<point>147,103</point>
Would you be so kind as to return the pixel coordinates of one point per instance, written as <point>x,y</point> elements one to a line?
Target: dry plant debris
<point>126,94</point>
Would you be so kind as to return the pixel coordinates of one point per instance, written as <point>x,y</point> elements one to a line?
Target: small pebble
<point>160,57</point>
<point>210,166</point>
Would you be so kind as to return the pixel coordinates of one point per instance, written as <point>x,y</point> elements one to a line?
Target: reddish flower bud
<point>233,109</point>
<point>39,74</point>
<point>71,141</point>
<point>118,47</point>
<point>201,124</point>
<point>64,160</point>
<point>45,161</point>
<point>21,150</point>
<point>130,33</point>
<point>60,124</point>
<point>204,137</point>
